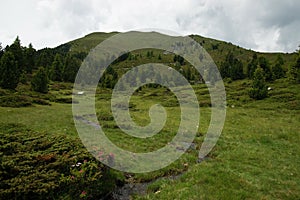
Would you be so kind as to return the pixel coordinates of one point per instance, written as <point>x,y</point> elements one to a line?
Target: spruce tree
<point>1,50</point>
<point>294,71</point>
<point>29,56</point>
<point>277,69</point>
<point>40,81</point>
<point>259,88</point>
<point>18,54</point>
<point>232,68</point>
<point>264,64</point>
<point>57,69</point>
<point>71,67</point>
<point>9,72</point>
<point>252,66</point>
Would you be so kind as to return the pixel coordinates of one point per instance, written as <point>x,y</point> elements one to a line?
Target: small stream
<point>125,191</point>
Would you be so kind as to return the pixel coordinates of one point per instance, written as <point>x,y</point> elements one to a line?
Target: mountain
<point>216,48</point>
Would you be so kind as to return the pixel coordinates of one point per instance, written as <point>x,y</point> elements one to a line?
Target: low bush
<point>61,86</point>
<point>3,92</point>
<point>41,102</point>
<point>15,101</point>
<point>205,103</point>
<point>64,100</point>
<point>40,166</point>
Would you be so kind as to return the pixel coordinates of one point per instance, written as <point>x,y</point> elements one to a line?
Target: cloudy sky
<point>267,25</point>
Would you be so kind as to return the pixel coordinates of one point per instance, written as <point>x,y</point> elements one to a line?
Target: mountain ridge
<point>217,49</point>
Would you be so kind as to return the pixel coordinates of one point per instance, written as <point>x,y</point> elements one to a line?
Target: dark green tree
<point>23,78</point>
<point>277,69</point>
<point>71,67</point>
<point>179,59</point>
<point>264,64</point>
<point>294,71</point>
<point>57,68</point>
<point>188,73</point>
<point>212,75</point>
<point>232,68</point>
<point>159,57</point>
<point>259,88</point>
<point>40,81</point>
<point>143,76</point>
<point>225,70</point>
<point>252,66</point>
<point>9,73</point>
<point>236,71</point>
<point>1,50</point>
<point>44,58</point>
<point>109,78</point>
<point>17,51</point>
<point>29,58</point>
<point>122,86</point>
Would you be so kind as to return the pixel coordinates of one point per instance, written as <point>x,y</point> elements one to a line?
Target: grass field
<point>256,157</point>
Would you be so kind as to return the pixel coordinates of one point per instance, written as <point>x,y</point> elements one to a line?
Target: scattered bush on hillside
<point>259,88</point>
<point>41,166</point>
<point>40,81</point>
<point>15,101</point>
<point>294,72</point>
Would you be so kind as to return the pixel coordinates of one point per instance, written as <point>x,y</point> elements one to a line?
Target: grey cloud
<point>260,25</point>
<point>269,25</point>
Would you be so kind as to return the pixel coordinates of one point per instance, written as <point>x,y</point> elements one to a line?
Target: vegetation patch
<point>15,101</point>
<point>42,166</point>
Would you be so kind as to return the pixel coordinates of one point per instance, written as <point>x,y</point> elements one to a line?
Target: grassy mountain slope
<point>216,48</point>
<point>256,157</point>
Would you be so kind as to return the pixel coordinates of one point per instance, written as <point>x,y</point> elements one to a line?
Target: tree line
<point>260,71</point>
<point>25,64</point>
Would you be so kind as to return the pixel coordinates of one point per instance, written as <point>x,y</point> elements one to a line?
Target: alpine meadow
<point>257,156</point>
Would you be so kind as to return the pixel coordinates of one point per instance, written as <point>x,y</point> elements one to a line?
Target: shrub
<point>41,102</point>
<point>259,88</point>
<point>15,101</point>
<point>3,92</point>
<point>39,82</point>
<point>294,72</point>
<point>64,100</point>
<point>40,166</point>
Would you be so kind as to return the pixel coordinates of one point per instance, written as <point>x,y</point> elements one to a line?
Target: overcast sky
<point>263,25</point>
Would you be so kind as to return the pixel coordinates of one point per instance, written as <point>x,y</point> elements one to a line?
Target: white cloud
<point>270,25</point>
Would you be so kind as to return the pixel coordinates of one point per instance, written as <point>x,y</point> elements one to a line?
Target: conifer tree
<point>9,73</point>
<point>1,50</point>
<point>232,68</point>
<point>252,66</point>
<point>71,67</point>
<point>264,64</point>
<point>57,69</point>
<point>259,88</point>
<point>294,71</point>
<point>17,51</point>
<point>277,69</point>
<point>29,56</point>
<point>40,81</point>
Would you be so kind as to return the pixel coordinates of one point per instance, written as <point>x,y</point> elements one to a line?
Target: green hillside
<point>216,48</point>
<point>42,157</point>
